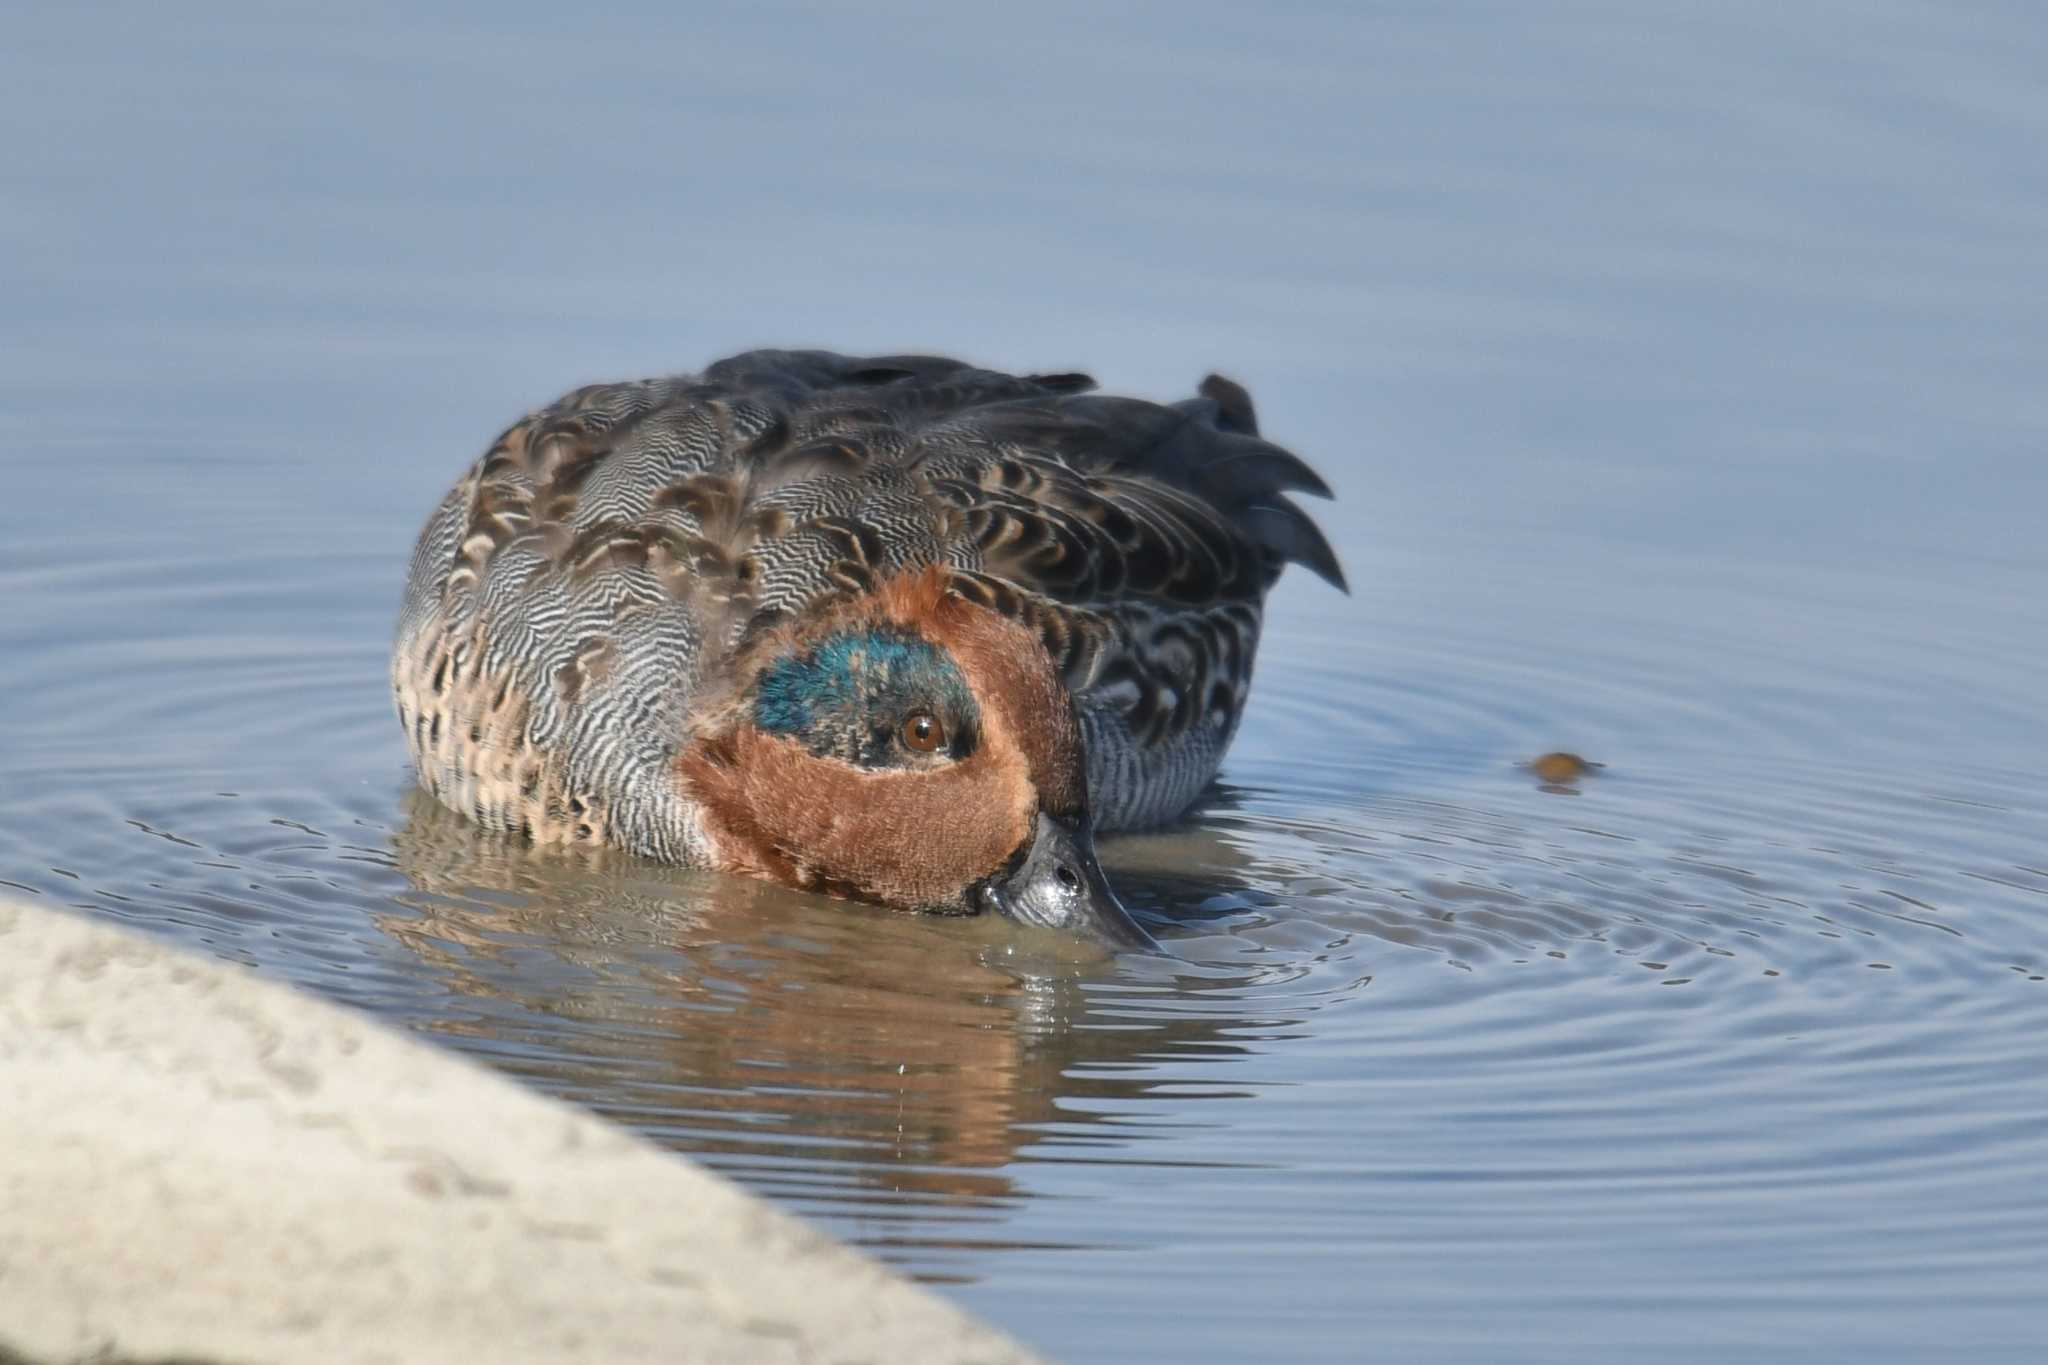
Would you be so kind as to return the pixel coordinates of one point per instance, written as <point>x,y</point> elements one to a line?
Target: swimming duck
<point>893,629</point>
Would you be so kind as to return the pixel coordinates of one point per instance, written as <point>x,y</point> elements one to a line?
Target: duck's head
<point>910,748</point>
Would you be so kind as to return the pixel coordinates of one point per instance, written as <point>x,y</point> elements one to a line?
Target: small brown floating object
<point>1559,769</point>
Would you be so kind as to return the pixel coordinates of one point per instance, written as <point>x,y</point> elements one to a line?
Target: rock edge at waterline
<point>203,1164</point>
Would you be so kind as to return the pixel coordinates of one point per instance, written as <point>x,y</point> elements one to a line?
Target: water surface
<point>1680,379</point>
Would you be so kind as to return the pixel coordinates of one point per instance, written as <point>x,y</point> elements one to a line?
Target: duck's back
<point>585,583</point>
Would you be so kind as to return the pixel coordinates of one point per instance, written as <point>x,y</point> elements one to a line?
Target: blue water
<point>1679,372</point>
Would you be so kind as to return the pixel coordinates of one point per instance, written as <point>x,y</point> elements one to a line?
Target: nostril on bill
<point>1068,877</point>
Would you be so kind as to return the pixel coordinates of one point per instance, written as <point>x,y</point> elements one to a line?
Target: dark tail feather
<point>1249,467</point>
<point>1249,476</point>
<point>1287,532</point>
<point>1233,405</point>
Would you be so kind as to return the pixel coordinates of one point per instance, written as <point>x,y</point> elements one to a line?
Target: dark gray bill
<point>1059,885</point>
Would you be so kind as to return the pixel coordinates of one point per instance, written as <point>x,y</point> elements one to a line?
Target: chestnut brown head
<point>913,749</point>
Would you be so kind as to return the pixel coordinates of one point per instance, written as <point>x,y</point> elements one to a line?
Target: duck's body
<point>648,588</point>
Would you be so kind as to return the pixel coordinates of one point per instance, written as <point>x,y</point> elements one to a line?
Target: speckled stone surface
<point>202,1164</point>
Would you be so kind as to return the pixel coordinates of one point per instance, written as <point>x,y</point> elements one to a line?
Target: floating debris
<point>1561,769</point>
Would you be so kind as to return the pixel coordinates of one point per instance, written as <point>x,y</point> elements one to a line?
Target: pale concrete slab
<point>198,1163</point>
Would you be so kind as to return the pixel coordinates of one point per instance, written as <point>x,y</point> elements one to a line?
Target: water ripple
<point>1745,987</point>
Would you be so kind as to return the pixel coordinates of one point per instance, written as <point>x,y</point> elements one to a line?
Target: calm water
<point>1681,379</point>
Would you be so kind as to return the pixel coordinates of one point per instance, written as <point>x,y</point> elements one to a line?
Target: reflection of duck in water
<point>895,629</point>
<point>739,1020</point>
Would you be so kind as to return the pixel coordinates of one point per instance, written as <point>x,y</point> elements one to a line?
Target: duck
<point>892,629</point>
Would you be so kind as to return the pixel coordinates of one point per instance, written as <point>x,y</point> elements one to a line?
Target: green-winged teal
<point>896,629</point>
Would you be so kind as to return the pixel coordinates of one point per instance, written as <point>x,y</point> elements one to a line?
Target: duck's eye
<point>922,732</point>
